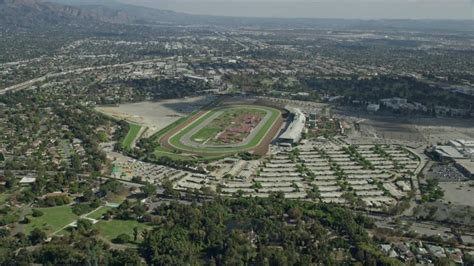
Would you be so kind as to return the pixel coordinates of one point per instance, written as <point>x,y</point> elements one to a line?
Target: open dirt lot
<point>156,115</point>
<point>413,132</point>
<point>437,130</point>
<point>384,131</point>
<point>459,193</point>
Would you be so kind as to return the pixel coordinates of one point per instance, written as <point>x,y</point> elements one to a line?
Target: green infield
<point>52,220</point>
<point>230,126</point>
<point>205,134</point>
<point>132,134</point>
<point>237,121</point>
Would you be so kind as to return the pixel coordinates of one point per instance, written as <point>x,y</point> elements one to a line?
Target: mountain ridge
<point>30,13</point>
<point>34,13</point>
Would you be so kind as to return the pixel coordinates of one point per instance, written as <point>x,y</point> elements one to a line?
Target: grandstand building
<point>293,132</point>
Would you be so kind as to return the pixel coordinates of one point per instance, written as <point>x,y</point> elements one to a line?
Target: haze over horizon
<point>349,9</point>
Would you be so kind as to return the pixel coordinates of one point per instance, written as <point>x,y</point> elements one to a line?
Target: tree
<point>149,190</point>
<point>126,257</point>
<point>295,213</point>
<point>169,190</point>
<point>135,234</point>
<point>24,258</point>
<point>37,236</point>
<point>169,246</point>
<point>122,239</point>
<point>37,213</point>
<point>59,254</point>
<point>4,232</point>
<point>83,225</point>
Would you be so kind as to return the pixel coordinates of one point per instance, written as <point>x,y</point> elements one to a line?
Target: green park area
<point>97,214</point>
<point>52,220</point>
<point>132,134</point>
<point>112,228</point>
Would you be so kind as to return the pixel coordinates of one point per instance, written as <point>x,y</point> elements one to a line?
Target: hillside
<point>29,13</point>
<point>34,13</point>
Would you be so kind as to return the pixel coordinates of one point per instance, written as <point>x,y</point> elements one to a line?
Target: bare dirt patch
<point>156,115</point>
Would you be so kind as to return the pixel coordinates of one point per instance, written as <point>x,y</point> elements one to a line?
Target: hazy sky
<point>366,9</point>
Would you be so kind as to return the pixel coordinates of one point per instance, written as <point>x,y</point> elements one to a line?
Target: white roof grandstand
<point>295,128</point>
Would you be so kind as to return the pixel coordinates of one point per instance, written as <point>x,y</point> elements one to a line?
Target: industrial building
<point>466,147</point>
<point>465,166</point>
<point>293,132</point>
<point>456,149</point>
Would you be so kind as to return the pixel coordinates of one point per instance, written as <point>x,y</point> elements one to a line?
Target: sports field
<point>220,131</point>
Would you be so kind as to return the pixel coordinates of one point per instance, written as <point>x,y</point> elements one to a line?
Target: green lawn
<point>132,134</point>
<point>116,198</point>
<point>53,219</point>
<point>176,139</point>
<point>4,197</point>
<point>111,229</point>
<point>98,214</point>
<point>204,134</point>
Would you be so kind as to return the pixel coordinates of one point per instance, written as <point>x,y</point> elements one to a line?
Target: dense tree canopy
<point>258,231</point>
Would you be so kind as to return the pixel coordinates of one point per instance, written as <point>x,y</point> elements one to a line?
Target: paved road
<point>415,182</point>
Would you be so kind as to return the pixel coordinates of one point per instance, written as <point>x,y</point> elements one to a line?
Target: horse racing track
<point>222,131</point>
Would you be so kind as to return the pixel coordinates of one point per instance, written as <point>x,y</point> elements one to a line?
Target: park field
<point>97,214</point>
<point>53,219</point>
<point>113,228</point>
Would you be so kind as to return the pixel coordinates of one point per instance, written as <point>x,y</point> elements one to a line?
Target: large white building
<point>466,147</point>
<point>296,127</point>
<point>456,149</point>
<point>466,166</point>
